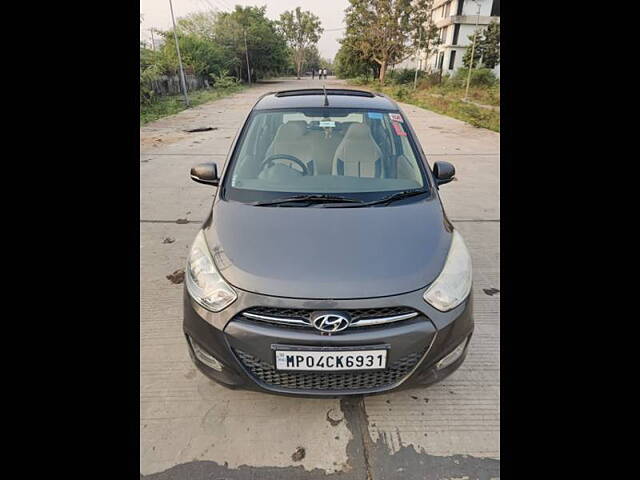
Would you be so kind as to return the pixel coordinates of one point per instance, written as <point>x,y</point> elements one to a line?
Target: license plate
<point>331,360</point>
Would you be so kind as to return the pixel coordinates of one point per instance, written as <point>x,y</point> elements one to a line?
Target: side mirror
<point>444,172</point>
<point>205,173</point>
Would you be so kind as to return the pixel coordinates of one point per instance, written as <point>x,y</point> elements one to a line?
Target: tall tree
<point>387,31</point>
<point>214,42</point>
<point>201,24</point>
<point>312,58</point>
<point>301,30</point>
<point>487,51</point>
<point>490,45</point>
<point>350,62</point>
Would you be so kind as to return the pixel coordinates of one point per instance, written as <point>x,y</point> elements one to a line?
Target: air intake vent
<point>327,381</point>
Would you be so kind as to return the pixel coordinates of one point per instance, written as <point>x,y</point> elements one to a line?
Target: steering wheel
<point>271,158</point>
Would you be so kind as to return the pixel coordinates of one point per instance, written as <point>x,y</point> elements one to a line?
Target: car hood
<point>333,253</point>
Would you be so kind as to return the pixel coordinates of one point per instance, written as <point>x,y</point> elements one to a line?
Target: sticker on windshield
<point>327,123</point>
<point>399,130</point>
<point>396,117</point>
<point>376,115</point>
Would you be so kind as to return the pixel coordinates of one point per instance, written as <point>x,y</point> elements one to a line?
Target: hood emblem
<point>330,322</point>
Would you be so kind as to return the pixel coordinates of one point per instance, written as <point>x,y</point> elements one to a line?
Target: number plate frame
<point>313,348</point>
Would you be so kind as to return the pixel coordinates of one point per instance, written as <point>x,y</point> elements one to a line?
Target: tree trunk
<point>299,58</point>
<point>383,71</point>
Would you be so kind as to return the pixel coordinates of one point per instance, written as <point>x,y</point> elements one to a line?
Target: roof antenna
<point>326,99</point>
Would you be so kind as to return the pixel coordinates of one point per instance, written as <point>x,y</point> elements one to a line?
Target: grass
<point>483,95</point>
<point>172,104</point>
<point>447,100</point>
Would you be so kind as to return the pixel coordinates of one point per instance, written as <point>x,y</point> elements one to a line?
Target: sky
<point>156,14</point>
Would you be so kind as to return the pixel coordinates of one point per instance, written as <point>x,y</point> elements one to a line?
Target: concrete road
<point>191,428</point>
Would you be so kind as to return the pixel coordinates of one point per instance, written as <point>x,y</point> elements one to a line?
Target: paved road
<point>191,428</point>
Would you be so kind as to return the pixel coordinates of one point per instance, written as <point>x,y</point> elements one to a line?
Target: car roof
<point>315,97</point>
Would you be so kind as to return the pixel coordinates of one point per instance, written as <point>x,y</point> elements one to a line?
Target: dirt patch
<point>490,291</point>
<point>153,140</point>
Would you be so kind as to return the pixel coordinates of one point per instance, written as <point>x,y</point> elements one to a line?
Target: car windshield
<point>325,151</point>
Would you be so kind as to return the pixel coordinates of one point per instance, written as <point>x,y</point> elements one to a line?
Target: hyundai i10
<point>327,265</point>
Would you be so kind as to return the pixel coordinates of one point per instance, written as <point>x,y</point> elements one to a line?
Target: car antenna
<point>326,99</point>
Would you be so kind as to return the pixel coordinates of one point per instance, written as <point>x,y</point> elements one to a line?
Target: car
<point>327,265</point>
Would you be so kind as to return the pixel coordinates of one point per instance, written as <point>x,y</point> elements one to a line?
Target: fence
<point>170,85</point>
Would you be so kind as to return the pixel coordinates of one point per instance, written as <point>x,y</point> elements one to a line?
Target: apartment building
<point>456,21</point>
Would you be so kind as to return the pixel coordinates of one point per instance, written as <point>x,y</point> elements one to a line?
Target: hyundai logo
<point>330,322</point>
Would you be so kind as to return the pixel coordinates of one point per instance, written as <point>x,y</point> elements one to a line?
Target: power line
<point>220,6</point>
<point>210,6</point>
<point>207,5</point>
<point>175,35</point>
<point>224,2</point>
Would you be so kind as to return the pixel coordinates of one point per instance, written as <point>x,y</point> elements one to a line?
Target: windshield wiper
<point>312,198</point>
<point>393,197</point>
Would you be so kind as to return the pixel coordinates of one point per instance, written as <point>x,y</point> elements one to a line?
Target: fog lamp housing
<point>203,356</point>
<point>453,356</point>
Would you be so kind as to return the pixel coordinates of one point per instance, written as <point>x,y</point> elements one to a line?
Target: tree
<point>466,59</point>
<point>312,58</point>
<point>201,24</point>
<point>490,45</point>
<point>301,30</point>
<point>350,63</point>
<point>266,48</point>
<point>212,42</point>
<point>386,31</point>
<point>428,33</point>
<point>199,55</point>
<point>487,51</point>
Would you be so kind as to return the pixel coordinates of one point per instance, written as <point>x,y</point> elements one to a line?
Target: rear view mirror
<point>205,173</point>
<point>444,172</point>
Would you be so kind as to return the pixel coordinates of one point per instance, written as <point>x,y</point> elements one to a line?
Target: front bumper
<point>244,347</point>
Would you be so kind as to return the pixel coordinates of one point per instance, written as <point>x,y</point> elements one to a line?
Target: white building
<point>456,21</point>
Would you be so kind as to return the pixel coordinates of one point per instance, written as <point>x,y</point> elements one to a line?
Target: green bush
<point>428,80</point>
<point>403,76</point>
<point>223,79</point>
<point>401,92</point>
<point>480,77</point>
<point>360,80</point>
<point>147,76</point>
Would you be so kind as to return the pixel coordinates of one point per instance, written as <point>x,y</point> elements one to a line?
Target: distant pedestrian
<point>324,72</point>
<point>313,73</point>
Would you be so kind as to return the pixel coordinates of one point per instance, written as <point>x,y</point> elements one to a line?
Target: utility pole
<point>415,78</point>
<point>153,42</point>
<point>246,52</point>
<point>473,49</point>
<point>175,35</point>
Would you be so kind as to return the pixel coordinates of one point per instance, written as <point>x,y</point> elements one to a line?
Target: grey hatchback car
<point>327,265</point>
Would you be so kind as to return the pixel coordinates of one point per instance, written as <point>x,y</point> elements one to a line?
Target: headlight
<point>205,285</point>
<point>454,282</point>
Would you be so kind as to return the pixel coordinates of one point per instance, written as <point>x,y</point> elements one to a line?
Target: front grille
<point>356,314</point>
<point>363,380</point>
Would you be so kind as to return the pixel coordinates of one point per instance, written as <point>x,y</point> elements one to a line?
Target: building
<point>456,21</point>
